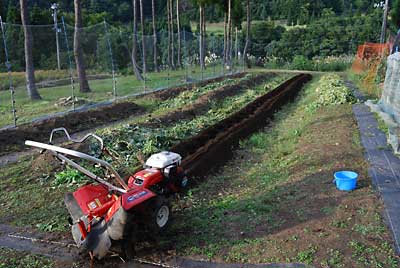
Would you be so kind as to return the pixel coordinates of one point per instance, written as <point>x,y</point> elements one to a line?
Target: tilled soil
<point>202,104</point>
<point>12,140</point>
<point>173,92</point>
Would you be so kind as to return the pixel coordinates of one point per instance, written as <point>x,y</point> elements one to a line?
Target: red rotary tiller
<point>110,209</point>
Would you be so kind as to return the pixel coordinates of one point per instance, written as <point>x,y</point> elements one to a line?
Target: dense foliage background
<point>282,29</point>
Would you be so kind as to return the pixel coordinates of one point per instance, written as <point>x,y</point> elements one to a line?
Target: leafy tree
<point>262,34</point>
<point>395,14</point>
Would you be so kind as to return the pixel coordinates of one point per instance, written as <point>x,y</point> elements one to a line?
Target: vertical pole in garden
<point>10,80</point>
<point>243,62</point>
<point>112,60</point>
<point>54,7</point>
<point>384,22</point>
<point>186,57</point>
<point>236,45</point>
<point>201,67</point>
<point>212,55</point>
<point>168,62</point>
<point>223,59</point>
<point>71,71</point>
<point>168,76</point>
<point>143,64</point>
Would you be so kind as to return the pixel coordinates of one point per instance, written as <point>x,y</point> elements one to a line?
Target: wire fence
<point>107,53</point>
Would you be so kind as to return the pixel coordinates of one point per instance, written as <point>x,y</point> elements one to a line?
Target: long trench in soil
<point>213,146</point>
<point>198,107</point>
<point>201,153</point>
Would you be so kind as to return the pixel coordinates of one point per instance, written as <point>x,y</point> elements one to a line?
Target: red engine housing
<point>145,178</point>
<point>149,177</point>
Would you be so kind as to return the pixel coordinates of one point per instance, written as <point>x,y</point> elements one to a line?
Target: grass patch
<point>14,259</point>
<point>102,90</point>
<point>381,124</point>
<point>370,90</point>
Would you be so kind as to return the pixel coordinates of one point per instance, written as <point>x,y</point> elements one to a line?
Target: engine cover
<point>163,159</point>
<point>91,197</point>
<point>145,178</point>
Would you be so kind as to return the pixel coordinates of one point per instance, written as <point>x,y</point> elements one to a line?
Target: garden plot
<point>40,178</point>
<point>12,139</point>
<point>160,133</point>
<point>263,106</point>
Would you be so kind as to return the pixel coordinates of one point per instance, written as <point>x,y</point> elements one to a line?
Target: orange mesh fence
<point>367,53</point>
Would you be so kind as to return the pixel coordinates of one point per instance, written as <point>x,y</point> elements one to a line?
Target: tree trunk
<point>248,28</point>
<point>155,52</point>
<point>204,36</point>
<point>78,53</point>
<point>171,5</point>
<point>169,35</point>
<point>29,68</point>
<point>236,44</point>
<point>201,51</point>
<point>384,22</point>
<point>143,38</point>
<point>229,54</point>
<point>225,37</point>
<point>178,25</point>
<point>134,44</point>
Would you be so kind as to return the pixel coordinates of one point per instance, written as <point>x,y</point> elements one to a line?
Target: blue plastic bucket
<point>345,180</point>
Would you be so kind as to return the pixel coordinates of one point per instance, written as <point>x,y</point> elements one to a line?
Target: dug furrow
<point>202,104</point>
<point>213,145</point>
<point>12,139</point>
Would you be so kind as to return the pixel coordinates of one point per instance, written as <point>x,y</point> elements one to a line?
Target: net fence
<point>369,53</point>
<point>107,52</point>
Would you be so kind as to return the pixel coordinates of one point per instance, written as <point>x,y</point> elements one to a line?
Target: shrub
<point>302,63</point>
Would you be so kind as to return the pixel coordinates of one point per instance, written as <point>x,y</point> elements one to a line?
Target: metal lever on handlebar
<point>61,153</point>
<point>87,136</point>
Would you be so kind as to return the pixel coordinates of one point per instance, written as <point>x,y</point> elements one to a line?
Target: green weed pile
<point>332,91</point>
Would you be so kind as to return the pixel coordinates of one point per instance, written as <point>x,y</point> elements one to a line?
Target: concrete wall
<point>390,99</point>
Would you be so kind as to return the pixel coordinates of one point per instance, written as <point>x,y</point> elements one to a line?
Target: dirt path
<point>66,254</point>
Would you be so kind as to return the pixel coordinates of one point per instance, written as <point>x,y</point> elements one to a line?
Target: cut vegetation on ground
<point>275,200</point>
<point>127,139</point>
